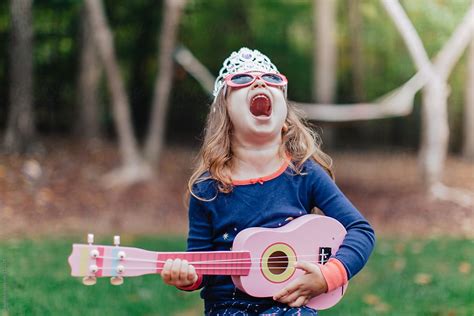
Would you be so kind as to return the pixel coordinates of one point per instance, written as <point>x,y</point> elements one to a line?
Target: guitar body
<point>261,261</point>
<point>303,239</point>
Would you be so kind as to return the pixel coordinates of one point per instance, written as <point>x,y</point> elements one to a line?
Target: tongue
<point>261,105</point>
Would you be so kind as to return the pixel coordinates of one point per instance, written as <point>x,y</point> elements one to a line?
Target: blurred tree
<point>435,130</point>
<point>468,144</point>
<point>157,125</point>
<point>21,124</point>
<point>90,70</point>
<point>357,65</point>
<point>356,56</point>
<point>325,57</point>
<point>211,29</point>
<point>134,168</point>
<point>137,30</point>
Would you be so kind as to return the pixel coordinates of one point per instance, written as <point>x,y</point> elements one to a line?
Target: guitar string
<point>198,269</point>
<point>202,261</point>
<point>217,261</point>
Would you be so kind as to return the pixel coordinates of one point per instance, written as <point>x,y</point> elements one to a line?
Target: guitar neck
<point>211,262</point>
<point>135,262</point>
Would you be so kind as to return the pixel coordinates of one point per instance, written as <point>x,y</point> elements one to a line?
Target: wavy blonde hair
<point>299,141</point>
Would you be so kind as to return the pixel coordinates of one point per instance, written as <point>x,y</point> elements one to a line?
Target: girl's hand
<point>179,273</point>
<point>298,292</point>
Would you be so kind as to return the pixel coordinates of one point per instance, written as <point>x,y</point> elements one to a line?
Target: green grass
<point>38,282</point>
<point>411,277</point>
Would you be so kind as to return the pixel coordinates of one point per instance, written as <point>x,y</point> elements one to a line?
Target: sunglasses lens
<point>241,79</point>
<point>272,78</point>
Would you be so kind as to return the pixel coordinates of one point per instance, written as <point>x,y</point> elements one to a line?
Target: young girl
<point>260,166</point>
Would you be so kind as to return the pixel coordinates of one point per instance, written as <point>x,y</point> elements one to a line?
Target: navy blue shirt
<point>214,224</point>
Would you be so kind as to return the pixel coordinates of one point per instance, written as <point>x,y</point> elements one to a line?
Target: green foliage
<point>55,55</point>
<point>211,30</point>
<point>4,26</point>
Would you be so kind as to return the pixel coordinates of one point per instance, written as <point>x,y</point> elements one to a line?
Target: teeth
<point>260,96</point>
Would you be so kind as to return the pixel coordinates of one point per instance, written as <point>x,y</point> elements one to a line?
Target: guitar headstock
<point>92,261</point>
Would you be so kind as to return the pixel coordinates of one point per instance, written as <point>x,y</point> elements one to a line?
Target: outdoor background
<point>69,167</point>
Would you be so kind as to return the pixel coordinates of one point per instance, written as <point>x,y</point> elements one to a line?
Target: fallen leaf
<point>464,267</point>
<point>382,307</point>
<point>399,264</point>
<point>417,247</point>
<point>423,278</point>
<point>399,248</point>
<point>371,299</point>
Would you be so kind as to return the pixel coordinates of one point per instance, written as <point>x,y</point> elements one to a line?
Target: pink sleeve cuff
<point>193,286</point>
<point>334,273</point>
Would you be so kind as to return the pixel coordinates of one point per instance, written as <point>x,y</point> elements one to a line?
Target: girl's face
<point>257,111</point>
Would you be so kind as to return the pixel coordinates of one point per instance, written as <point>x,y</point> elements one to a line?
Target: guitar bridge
<point>324,254</point>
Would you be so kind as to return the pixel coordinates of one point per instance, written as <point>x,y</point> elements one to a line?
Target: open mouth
<point>260,105</point>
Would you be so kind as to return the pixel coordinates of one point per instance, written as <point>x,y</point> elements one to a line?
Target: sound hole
<point>277,262</point>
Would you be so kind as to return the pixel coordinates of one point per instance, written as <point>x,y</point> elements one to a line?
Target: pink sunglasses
<point>240,80</point>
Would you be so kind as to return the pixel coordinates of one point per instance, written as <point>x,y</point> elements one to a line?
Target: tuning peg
<point>89,280</point>
<point>120,269</point>
<point>93,268</point>
<point>116,240</point>
<point>90,239</point>
<point>94,253</point>
<point>117,280</point>
<point>121,255</point>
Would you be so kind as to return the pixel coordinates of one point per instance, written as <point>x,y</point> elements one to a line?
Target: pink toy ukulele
<point>261,261</point>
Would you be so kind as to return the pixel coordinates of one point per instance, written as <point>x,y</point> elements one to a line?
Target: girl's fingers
<point>166,272</point>
<point>306,266</point>
<point>282,293</point>
<point>175,269</point>
<point>287,290</point>
<point>300,301</point>
<point>183,271</point>
<point>192,276</point>
<point>291,297</point>
<point>178,272</point>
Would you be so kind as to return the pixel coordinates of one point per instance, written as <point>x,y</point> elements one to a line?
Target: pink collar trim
<point>261,180</point>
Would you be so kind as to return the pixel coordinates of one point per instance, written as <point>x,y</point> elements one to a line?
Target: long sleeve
<point>199,236</point>
<point>360,239</point>
<point>200,227</point>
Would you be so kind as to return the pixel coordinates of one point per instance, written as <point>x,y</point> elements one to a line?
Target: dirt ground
<point>58,192</point>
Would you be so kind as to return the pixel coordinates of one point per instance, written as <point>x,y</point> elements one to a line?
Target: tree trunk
<point>435,113</point>
<point>435,130</point>
<point>21,126</point>
<point>468,143</point>
<point>357,60</point>
<point>169,30</point>
<point>325,51</point>
<point>325,58</point>
<point>88,124</point>
<point>134,168</point>
<point>194,67</point>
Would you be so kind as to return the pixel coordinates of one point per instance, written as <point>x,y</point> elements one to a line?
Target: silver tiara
<point>243,60</point>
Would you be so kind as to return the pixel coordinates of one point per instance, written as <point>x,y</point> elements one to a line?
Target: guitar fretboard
<point>211,263</point>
